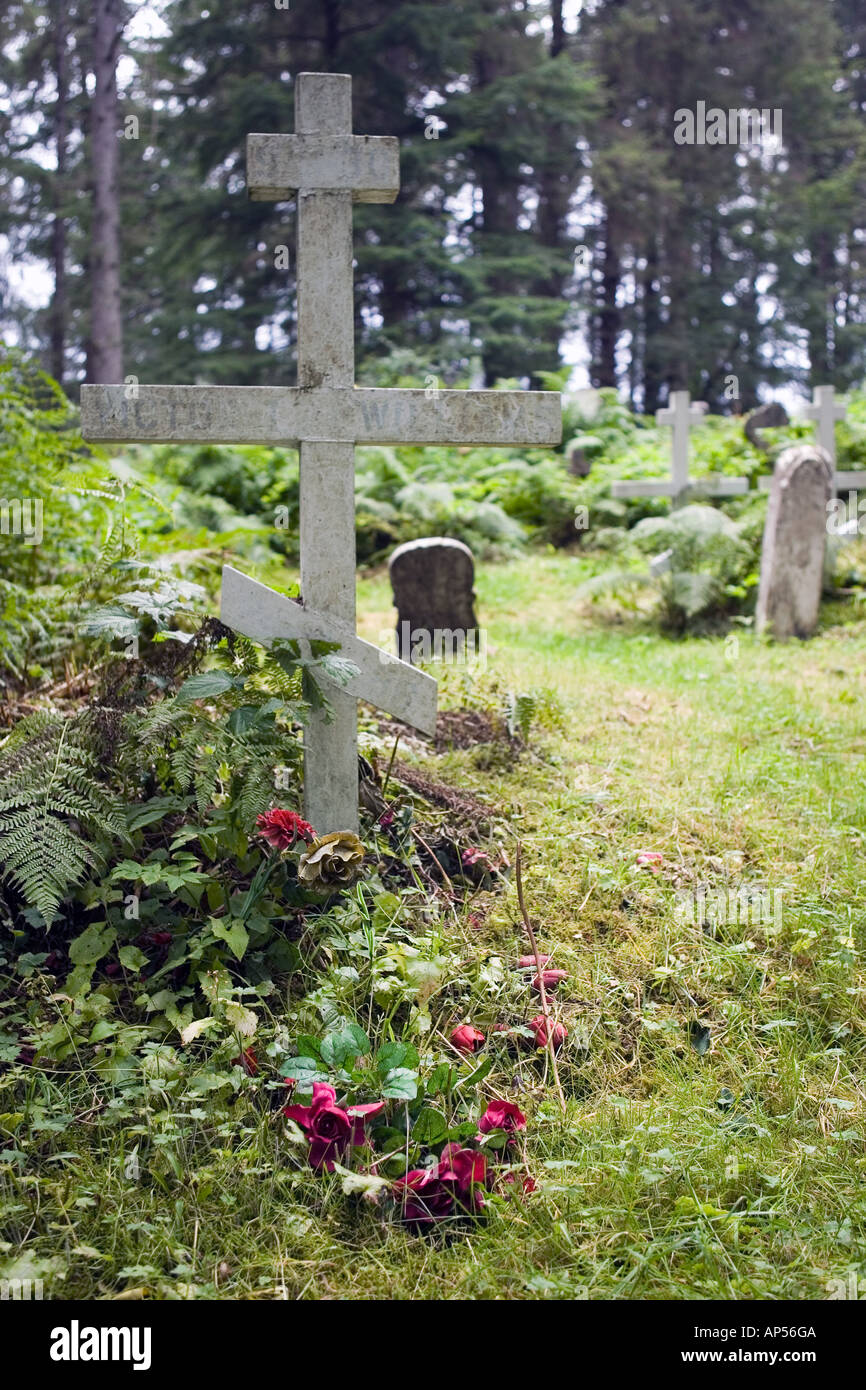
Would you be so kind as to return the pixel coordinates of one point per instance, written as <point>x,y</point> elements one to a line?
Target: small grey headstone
<point>771,416</point>
<point>432,582</point>
<point>575,453</point>
<point>795,537</point>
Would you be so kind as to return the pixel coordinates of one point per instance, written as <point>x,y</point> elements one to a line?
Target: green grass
<point>736,1173</point>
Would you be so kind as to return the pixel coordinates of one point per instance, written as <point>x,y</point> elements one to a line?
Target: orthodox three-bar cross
<point>325,415</point>
<point>681,413</point>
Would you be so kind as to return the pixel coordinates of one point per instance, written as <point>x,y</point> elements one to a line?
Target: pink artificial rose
<point>558,1032</point>
<point>466,1038</point>
<point>549,978</point>
<point>424,1197</point>
<point>502,1114</point>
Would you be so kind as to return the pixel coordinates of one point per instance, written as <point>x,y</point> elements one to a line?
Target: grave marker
<point>795,537</point>
<point>325,415</point>
<point>681,414</point>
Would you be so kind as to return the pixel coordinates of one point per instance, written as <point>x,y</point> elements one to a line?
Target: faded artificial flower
<point>650,859</point>
<point>283,829</point>
<point>473,857</point>
<point>334,861</point>
<point>502,1114</point>
<point>558,1032</point>
<point>466,1038</point>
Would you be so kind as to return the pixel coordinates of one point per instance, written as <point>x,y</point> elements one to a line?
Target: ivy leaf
<point>395,1054</point>
<point>131,958</point>
<point>400,1084</point>
<point>430,1126</point>
<point>93,943</point>
<point>192,1030</point>
<point>232,931</point>
<point>364,1183</point>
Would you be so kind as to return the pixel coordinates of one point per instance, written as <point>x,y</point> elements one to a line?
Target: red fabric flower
<point>528,1183</point>
<point>424,1196</point>
<point>330,1129</point>
<point>550,979</point>
<point>247,1060</point>
<point>468,1168</point>
<point>282,829</point>
<point>466,1038</point>
<point>502,1114</point>
<point>528,962</point>
<point>359,1115</point>
<point>559,1032</point>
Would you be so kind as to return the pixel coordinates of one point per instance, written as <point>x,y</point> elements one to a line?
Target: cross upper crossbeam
<point>283,415</point>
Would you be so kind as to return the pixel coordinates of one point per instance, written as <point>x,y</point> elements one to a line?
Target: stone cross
<point>325,415</point>
<point>825,411</point>
<point>681,414</point>
<point>795,537</point>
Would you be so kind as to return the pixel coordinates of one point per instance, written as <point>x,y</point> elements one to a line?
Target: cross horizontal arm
<point>383,680</point>
<point>286,415</point>
<point>366,165</point>
<point>715,485</point>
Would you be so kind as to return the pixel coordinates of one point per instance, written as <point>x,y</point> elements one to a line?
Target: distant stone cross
<point>325,415</point>
<point>681,414</point>
<point>825,410</point>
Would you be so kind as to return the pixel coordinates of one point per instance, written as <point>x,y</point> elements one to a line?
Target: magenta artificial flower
<point>466,1038</point>
<point>549,978</point>
<point>330,1129</point>
<point>283,829</point>
<point>468,1168</point>
<point>558,1032</point>
<point>502,1114</point>
<point>424,1196</point>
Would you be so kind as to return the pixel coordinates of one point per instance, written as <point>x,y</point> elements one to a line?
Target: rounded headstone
<point>795,540</point>
<point>433,586</point>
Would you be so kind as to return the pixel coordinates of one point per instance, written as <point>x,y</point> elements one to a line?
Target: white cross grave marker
<point>681,414</point>
<point>825,410</point>
<point>325,415</point>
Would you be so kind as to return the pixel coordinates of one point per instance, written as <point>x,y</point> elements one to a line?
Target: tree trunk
<point>609,314</point>
<point>57,311</point>
<point>105,353</point>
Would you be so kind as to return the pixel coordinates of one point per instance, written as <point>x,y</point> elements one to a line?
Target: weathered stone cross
<point>325,415</point>
<point>681,414</point>
<point>825,410</point>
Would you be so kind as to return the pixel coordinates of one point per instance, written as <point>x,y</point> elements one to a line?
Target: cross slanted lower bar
<point>325,415</point>
<point>681,414</point>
